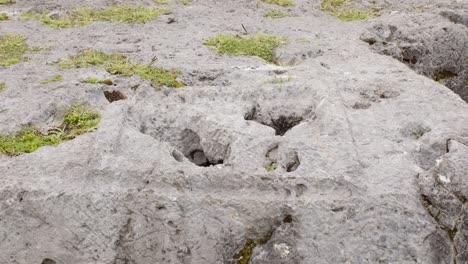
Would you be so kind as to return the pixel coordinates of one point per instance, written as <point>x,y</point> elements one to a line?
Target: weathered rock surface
<point>371,156</point>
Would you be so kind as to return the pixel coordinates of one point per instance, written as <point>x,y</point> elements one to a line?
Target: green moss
<point>245,254</point>
<point>7,2</point>
<point>12,49</point>
<point>3,16</point>
<point>184,2</point>
<point>326,4</point>
<point>255,45</point>
<point>27,141</point>
<point>161,2</point>
<point>119,64</point>
<point>452,233</point>
<point>279,2</point>
<point>271,167</point>
<point>96,81</point>
<point>84,16</point>
<point>277,14</point>
<point>354,14</point>
<point>335,8</point>
<point>79,119</point>
<point>55,78</point>
<point>2,86</point>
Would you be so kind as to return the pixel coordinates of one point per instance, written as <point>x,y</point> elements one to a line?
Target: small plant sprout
<point>12,49</point>
<point>79,119</point>
<point>84,16</point>
<point>271,167</point>
<point>55,78</point>
<point>253,45</point>
<point>279,2</point>
<point>118,64</point>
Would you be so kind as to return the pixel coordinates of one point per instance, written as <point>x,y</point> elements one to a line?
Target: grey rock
<point>178,175</point>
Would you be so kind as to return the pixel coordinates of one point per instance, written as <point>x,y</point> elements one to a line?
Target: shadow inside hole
<point>190,146</point>
<point>113,96</point>
<point>281,124</point>
<point>284,123</point>
<point>199,158</point>
<point>48,261</point>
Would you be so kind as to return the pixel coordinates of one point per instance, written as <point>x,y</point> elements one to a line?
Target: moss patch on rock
<point>336,8</point>
<point>275,14</point>
<point>78,120</point>
<point>279,2</point>
<point>2,86</point>
<point>119,64</point>
<point>55,78</point>
<point>7,2</point>
<point>254,45</point>
<point>98,81</point>
<point>85,16</point>
<point>12,49</point>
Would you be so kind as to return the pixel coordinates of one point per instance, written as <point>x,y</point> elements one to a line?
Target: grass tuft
<point>3,17</point>
<point>279,2</point>
<point>2,86</point>
<point>12,49</point>
<point>335,8</point>
<point>119,64</point>
<point>277,14</point>
<point>255,45</point>
<point>55,78</point>
<point>78,120</point>
<point>81,17</point>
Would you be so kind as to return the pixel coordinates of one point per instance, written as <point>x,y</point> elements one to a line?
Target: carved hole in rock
<point>113,96</point>
<point>300,189</point>
<point>281,123</point>
<point>292,162</point>
<point>193,150</point>
<point>288,219</point>
<point>48,261</point>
